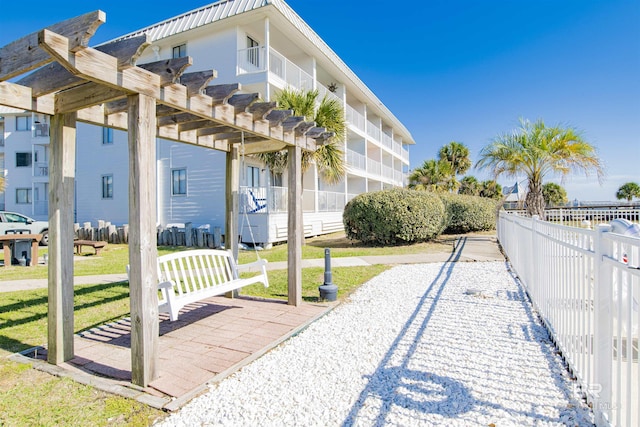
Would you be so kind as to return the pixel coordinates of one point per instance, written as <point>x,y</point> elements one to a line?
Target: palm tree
<point>627,191</point>
<point>457,154</point>
<point>536,151</point>
<point>433,175</point>
<point>491,190</point>
<point>327,114</point>
<point>469,185</point>
<point>554,194</point>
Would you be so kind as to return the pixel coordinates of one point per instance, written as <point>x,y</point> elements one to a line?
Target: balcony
<point>254,200</point>
<point>41,169</point>
<point>373,131</point>
<point>354,118</point>
<point>387,141</point>
<point>356,160</point>
<point>40,130</point>
<point>252,60</point>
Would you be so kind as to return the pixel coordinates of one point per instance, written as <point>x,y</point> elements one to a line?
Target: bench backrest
<point>195,270</point>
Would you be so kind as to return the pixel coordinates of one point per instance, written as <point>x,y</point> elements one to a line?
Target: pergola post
<point>295,230</point>
<point>61,191</point>
<point>143,273</point>
<point>232,182</point>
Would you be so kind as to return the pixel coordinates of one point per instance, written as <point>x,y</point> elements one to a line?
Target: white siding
<point>94,160</point>
<point>204,202</point>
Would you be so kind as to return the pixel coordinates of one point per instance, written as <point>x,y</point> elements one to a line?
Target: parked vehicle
<point>10,221</point>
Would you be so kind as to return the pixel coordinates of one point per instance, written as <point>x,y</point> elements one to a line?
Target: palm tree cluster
<point>440,175</point>
<point>537,151</point>
<point>326,113</point>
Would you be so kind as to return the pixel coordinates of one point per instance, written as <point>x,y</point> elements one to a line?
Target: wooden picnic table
<point>8,239</point>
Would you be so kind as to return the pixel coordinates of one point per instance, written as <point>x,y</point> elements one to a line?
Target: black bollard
<point>328,291</point>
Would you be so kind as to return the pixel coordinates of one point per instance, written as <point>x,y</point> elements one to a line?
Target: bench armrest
<point>252,266</point>
<point>165,285</point>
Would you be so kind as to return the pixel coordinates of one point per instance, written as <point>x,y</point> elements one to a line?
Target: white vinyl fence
<point>585,285</point>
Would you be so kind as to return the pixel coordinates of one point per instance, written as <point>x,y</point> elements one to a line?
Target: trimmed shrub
<point>395,216</point>
<point>469,213</point>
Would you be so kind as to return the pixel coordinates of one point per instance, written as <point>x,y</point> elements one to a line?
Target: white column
<point>314,73</point>
<point>267,56</point>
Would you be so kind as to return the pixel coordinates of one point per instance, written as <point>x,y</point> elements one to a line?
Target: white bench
<point>189,276</point>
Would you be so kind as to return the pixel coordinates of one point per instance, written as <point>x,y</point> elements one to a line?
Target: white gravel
<point>416,345</point>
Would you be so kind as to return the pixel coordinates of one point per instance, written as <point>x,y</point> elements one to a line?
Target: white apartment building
<point>266,47</point>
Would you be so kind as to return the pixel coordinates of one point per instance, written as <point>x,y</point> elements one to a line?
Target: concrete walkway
<point>474,248</point>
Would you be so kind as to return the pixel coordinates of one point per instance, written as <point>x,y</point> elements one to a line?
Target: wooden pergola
<point>105,86</point>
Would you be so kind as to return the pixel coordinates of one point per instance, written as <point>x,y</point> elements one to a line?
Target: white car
<point>14,221</point>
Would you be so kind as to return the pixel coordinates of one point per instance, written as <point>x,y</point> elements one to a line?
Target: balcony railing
<point>251,60</point>
<point>356,160</point>
<point>256,200</point>
<point>387,141</point>
<point>41,169</point>
<point>405,154</point>
<point>289,72</point>
<point>323,91</point>
<point>356,119</point>
<point>373,131</point>
<point>374,167</point>
<point>387,172</point>
<point>40,130</point>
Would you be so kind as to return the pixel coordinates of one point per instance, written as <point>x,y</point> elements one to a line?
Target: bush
<point>469,213</point>
<point>394,217</point>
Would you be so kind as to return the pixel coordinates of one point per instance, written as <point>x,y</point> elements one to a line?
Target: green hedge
<point>469,213</point>
<point>394,217</point>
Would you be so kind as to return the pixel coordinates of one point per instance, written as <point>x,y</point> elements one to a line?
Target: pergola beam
<point>25,54</point>
<point>54,77</point>
<point>197,81</point>
<point>169,70</point>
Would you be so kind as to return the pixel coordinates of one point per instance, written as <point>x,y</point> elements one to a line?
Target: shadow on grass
<point>21,312</point>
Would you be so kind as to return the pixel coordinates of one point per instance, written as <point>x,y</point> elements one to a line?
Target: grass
<point>30,397</point>
<point>113,259</point>
<point>60,401</point>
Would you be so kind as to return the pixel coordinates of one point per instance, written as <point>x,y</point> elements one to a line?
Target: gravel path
<point>411,347</point>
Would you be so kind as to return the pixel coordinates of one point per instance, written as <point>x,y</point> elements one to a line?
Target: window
<point>253,176</point>
<point>180,51</point>
<point>107,136</point>
<point>178,182</point>
<point>23,196</point>
<point>253,52</point>
<point>23,159</point>
<point>23,123</point>
<point>107,186</point>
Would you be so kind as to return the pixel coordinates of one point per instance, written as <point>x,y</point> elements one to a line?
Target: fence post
<point>601,390</point>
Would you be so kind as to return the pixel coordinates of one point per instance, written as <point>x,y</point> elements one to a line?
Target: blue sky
<point>458,70</point>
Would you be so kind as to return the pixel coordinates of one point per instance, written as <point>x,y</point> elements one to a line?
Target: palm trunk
<point>535,200</point>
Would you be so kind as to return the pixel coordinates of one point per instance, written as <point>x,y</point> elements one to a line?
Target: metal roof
<point>198,17</point>
<point>227,8</point>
